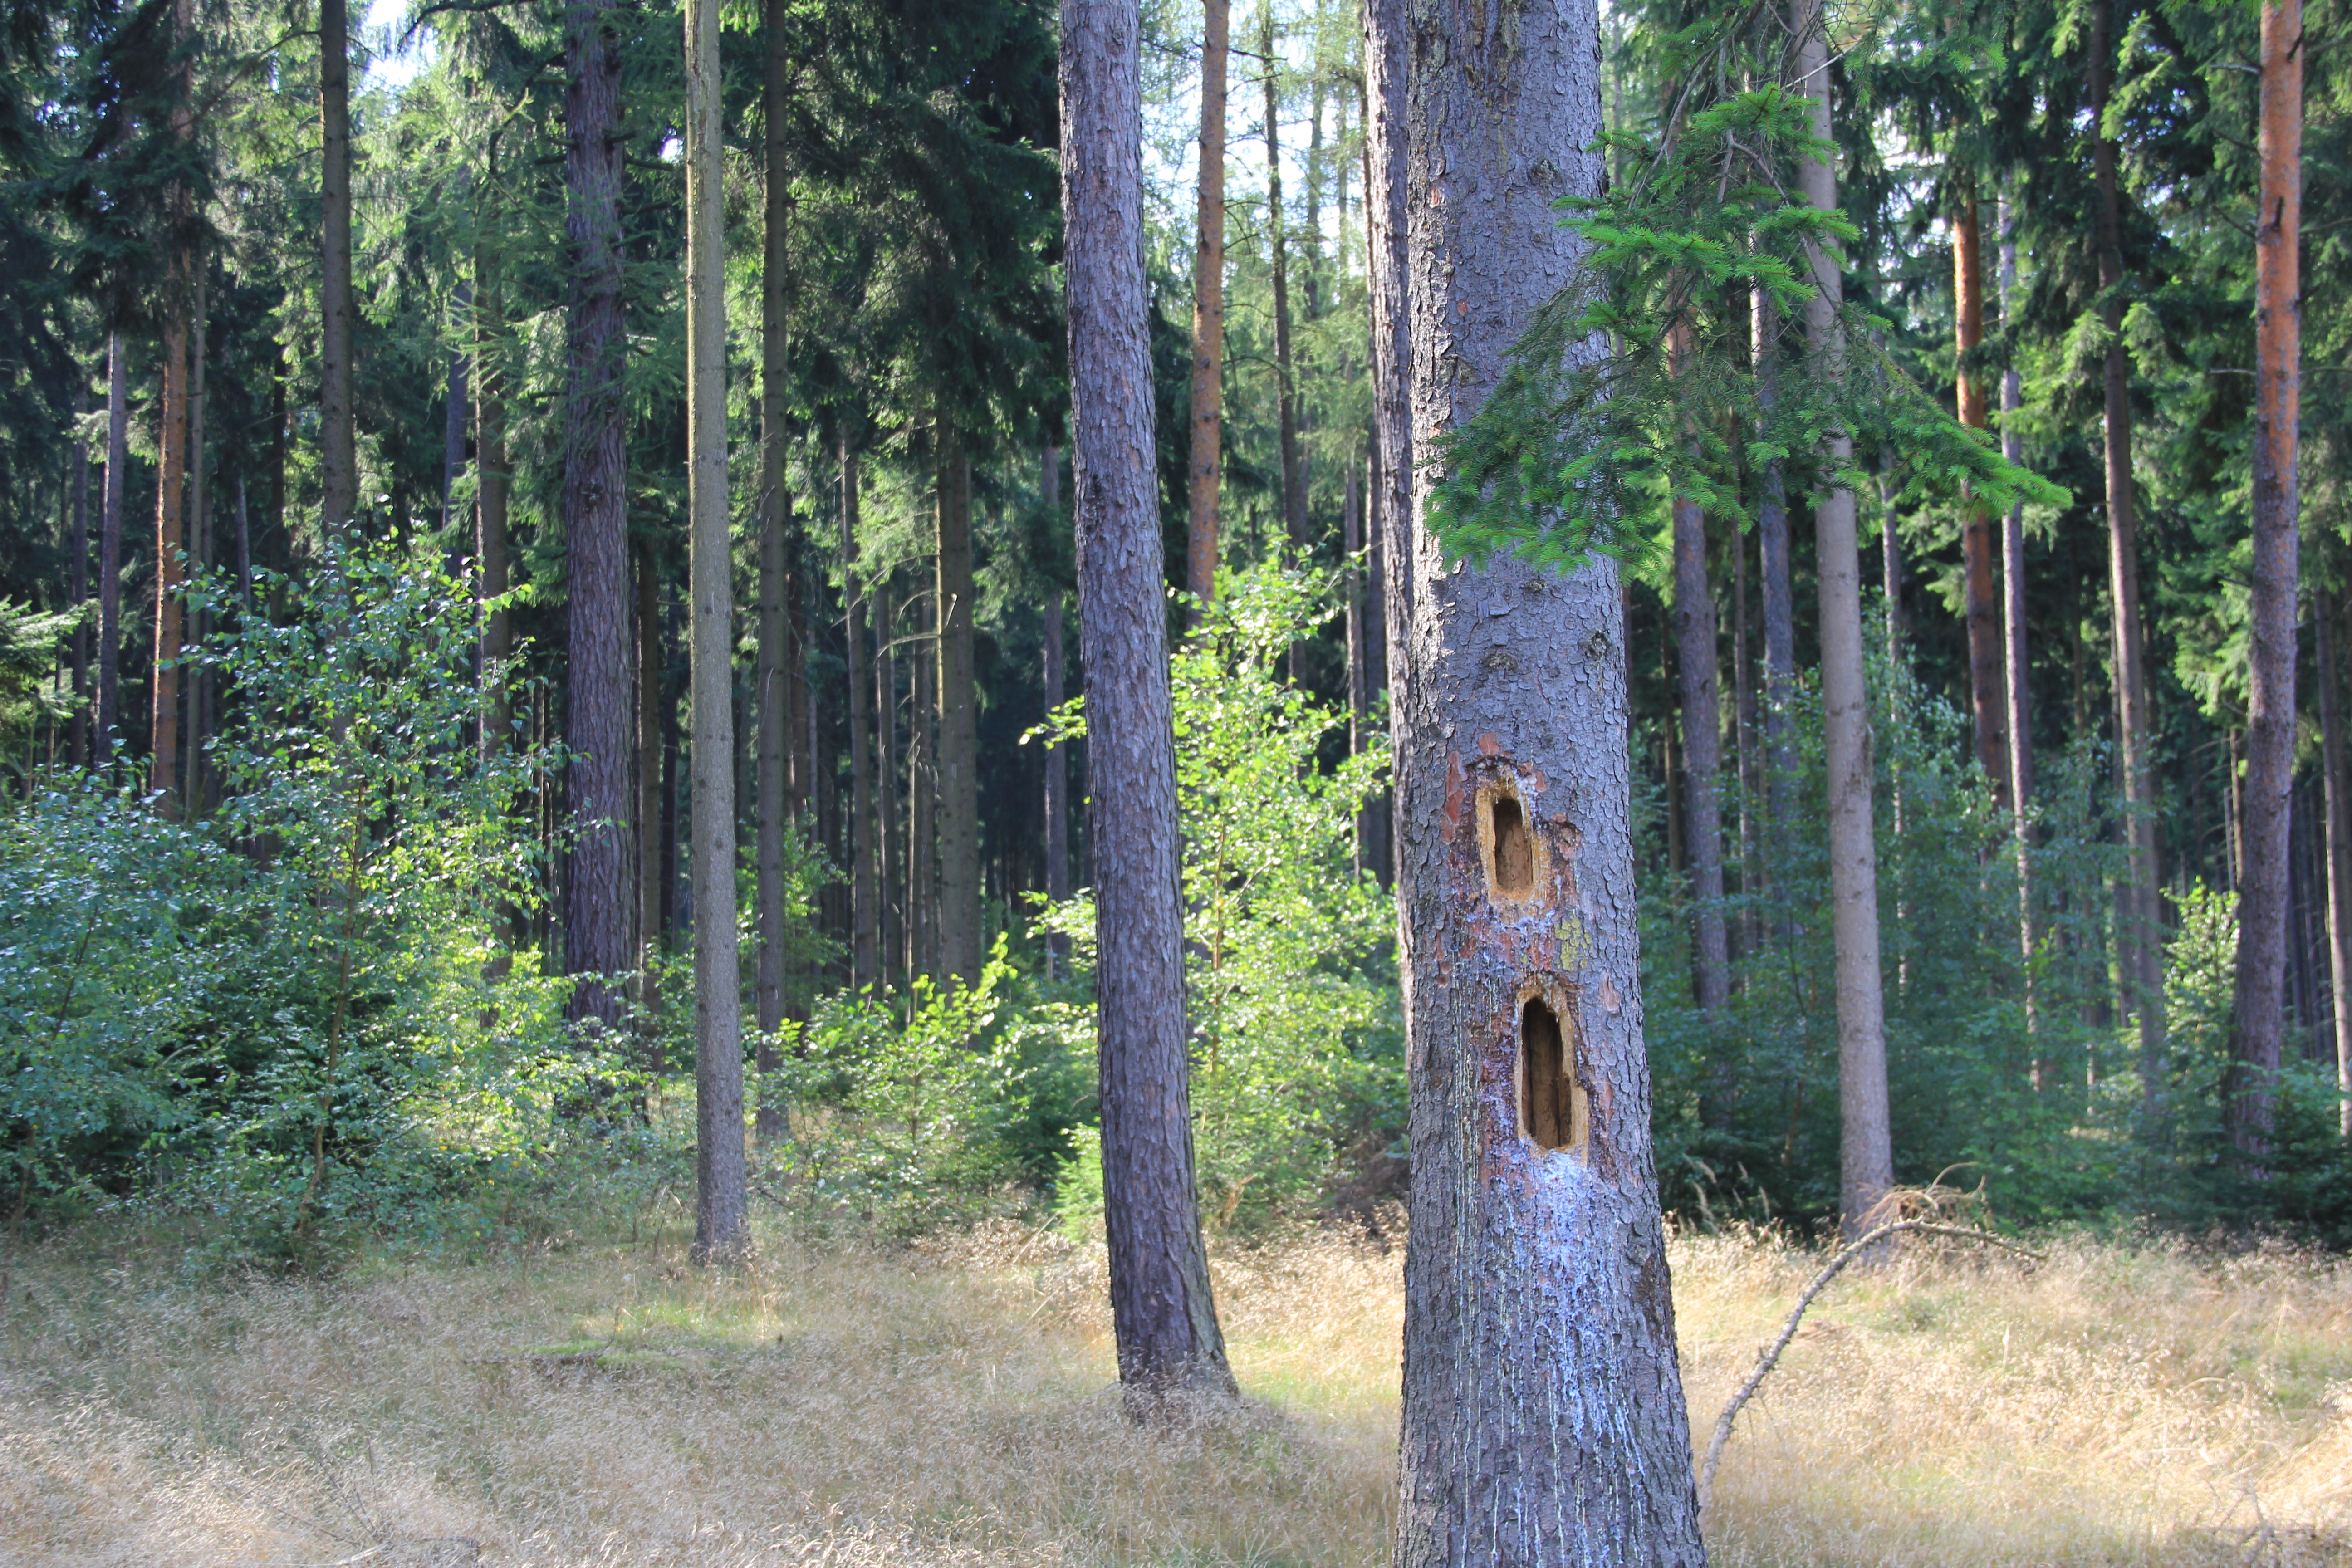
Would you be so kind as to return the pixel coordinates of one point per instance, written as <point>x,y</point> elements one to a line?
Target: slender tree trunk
<point>338,455</point>
<point>1057,762</point>
<point>2270,707</point>
<point>244,550</point>
<point>1702,758</point>
<point>595,518</point>
<point>650,671</point>
<point>1162,1315</point>
<point>719,1230</point>
<point>2338,777</point>
<point>170,493</point>
<point>1351,543</point>
<point>492,479</point>
<point>455,422</point>
<point>866,886</point>
<point>923,796</point>
<point>280,419</point>
<point>1390,494</point>
<point>1778,594</point>
<point>199,533</point>
<point>1202,548</point>
<point>2012,571</point>
<point>1543,1414</point>
<point>960,934</point>
<point>1293,473</point>
<point>78,584</point>
<point>2140,950</point>
<point>1987,704</point>
<point>778,786</point>
<point>1744,731</point>
<point>1866,1154</point>
<point>891,925</point>
<point>110,545</point>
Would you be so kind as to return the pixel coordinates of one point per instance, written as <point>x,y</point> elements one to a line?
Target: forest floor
<point>951,1402</point>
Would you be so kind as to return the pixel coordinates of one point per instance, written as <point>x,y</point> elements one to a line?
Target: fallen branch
<point>1830,1271</point>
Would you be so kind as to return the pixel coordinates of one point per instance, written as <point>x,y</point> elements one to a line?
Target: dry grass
<point>952,1403</point>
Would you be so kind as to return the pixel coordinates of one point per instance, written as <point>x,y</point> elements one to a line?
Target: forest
<point>1389,721</point>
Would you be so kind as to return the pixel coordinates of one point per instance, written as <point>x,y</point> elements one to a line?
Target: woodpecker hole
<point>1552,1111</point>
<point>1515,848</point>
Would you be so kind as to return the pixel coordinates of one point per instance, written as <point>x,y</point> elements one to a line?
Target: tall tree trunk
<point>2270,706</point>
<point>719,1230</point>
<point>78,584</point>
<point>1778,594</point>
<point>1391,492</point>
<point>1162,1315</point>
<point>650,671</point>
<point>1543,1416</point>
<point>891,925</point>
<point>596,520</point>
<point>1202,548</point>
<point>923,796</point>
<point>199,535</point>
<point>1057,762</point>
<point>338,454</point>
<point>2137,912</point>
<point>2012,571</point>
<point>959,932</point>
<point>2338,778</point>
<point>109,546</point>
<point>1286,388</point>
<point>864,883</point>
<point>492,479</point>
<point>1702,758</point>
<point>1352,544</point>
<point>1988,706</point>
<point>777,787</point>
<point>1866,1151</point>
<point>171,492</point>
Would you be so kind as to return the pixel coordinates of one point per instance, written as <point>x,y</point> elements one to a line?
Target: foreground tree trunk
<point>1161,1313</point>
<point>1201,547</point>
<point>719,1230</point>
<point>1390,493</point>
<point>2270,706</point>
<point>864,883</point>
<point>2339,849</point>
<point>109,546</point>
<point>597,940</point>
<point>1543,1409</point>
<point>2136,904</point>
<point>338,452</point>
<point>959,934</point>
<point>1988,705</point>
<point>1866,1157</point>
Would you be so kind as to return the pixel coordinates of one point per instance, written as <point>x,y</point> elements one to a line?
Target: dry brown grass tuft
<point>952,1403</point>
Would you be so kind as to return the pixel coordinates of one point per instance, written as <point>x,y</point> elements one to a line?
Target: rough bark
<point>1390,493</point>
<point>865,882</point>
<point>1285,386</point>
<point>110,545</point>
<point>1865,1151</point>
<point>1543,1414</point>
<point>1162,1315</point>
<point>959,757</point>
<point>2338,784</point>
<point>2136,907</point>
<point>719,1230</point>
<point>772,676</point>
<point>595,522</point>
<point>338,454</point>
<point>1202,546</point>
<point>1988,704</point>
<point>1057,762</point>
<point>2270,705</point>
